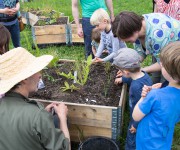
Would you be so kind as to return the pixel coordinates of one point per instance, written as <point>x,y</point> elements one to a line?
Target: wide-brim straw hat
<point>17,65</point>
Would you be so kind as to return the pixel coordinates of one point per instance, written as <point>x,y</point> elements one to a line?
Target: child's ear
<point>105,21</point>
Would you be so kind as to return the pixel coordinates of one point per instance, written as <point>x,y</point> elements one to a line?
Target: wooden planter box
<point>74,38</point>
<point>95,120</point>
<point>50,34</point>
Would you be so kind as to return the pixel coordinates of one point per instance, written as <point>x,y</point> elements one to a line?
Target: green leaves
<point>69,87</point>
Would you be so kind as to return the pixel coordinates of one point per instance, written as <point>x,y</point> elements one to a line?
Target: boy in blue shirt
<point>128,61</point>
<point>159,111</point>
<point>101,20</point>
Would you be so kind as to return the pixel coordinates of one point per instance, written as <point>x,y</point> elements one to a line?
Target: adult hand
<point>112,17</point>
<point>80,32</point>
<point>132,130</point>
<point>15,9</point>
<point>119,74</point>
<point>118,81</point>
<point>9,12</point>
<point>61,110</point>
<point>50,106</point>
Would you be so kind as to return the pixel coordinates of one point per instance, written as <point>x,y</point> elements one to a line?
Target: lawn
<point>77,51</point>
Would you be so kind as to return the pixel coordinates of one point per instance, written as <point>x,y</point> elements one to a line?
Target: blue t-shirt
<point>162,110</point>
<point>135,91</point>
<point>160,31</point>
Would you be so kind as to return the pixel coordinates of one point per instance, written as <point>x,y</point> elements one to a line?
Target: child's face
<point>102,25</point>
<point>132,39</point>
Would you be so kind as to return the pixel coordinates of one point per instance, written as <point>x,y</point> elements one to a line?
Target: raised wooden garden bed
<point>74,38</point>
<point>29,18</point>
<point>55,33</point>
<point>90,113</point>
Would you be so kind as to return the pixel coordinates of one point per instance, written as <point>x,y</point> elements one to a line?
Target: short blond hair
<point>170,59</point>
<point>98,16</point>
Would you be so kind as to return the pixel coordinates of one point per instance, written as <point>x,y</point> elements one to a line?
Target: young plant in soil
<point>82,69</point>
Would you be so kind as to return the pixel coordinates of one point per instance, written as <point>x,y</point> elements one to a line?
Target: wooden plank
<point>87,131</point>
<point>50,29</point>
<point>48,39</point>
<point>77,39</point>
<point>32,18</point>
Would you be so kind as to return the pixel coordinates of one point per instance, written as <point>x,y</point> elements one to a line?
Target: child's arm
<point>94,50</point>
<point>116,45</point>
<point>137,113</point>
<point>100,48</point>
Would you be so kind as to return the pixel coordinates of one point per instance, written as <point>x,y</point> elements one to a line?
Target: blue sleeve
<point>116,45</point>
<point>100,48</point>
<point>135,124</point>
<point>126,80</point>
<point>149,101</point>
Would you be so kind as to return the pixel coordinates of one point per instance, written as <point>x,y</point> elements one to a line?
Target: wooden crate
<point>74,38</point>
<point>50,34</point>
<point>95,120</point>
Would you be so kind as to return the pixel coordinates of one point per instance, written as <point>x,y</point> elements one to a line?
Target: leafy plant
<point>83,69</point>
<point>68,76</point>
<point>69,87</point>
<point>49,77</point>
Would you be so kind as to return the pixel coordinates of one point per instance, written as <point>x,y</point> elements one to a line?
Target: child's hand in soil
<point>132,130</point>
<point>97,59</point>
<point>118,80</point>
<point>119,74</point>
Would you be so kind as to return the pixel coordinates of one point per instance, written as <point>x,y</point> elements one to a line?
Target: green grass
<point>77,52</point>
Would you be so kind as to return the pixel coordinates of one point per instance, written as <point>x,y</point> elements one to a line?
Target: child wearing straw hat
<point>25,124</point>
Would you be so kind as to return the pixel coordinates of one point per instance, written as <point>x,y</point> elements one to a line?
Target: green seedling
<point>69,87</point>
<point>68,76</point>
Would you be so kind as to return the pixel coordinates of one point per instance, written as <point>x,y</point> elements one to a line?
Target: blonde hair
<point>170,59</point>
<point>98,16</point>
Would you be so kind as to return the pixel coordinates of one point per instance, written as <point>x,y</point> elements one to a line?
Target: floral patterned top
<point>171,9</point>
<point>160,30</point>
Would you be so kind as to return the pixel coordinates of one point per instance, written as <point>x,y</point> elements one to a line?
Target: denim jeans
<point>87,29</point>
<point>15,33</point>
<point>130,139</point>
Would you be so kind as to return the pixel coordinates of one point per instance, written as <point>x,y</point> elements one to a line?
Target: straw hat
<point>17,65</point>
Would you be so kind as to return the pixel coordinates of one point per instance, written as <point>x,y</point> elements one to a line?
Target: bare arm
<point>61,110</point>
<point>153,68</point>
<point>109,4</point>
<point>75,13</point>
<point>137,113</point>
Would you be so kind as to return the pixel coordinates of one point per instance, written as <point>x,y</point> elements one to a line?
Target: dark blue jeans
<point>15,33</point>
<point>130,139</point>
<point>87,29</point>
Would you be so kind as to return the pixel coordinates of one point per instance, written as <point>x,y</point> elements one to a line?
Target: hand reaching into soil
<point>119,74</point>
<point>118,80</point>
<point>97,59</point>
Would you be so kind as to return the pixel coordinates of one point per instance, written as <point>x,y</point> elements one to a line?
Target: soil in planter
<point>99,89</point>
<point>47,21</point>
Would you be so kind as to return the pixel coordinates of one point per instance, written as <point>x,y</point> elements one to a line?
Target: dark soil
<point>98,90</point>
<point>80,21</point>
